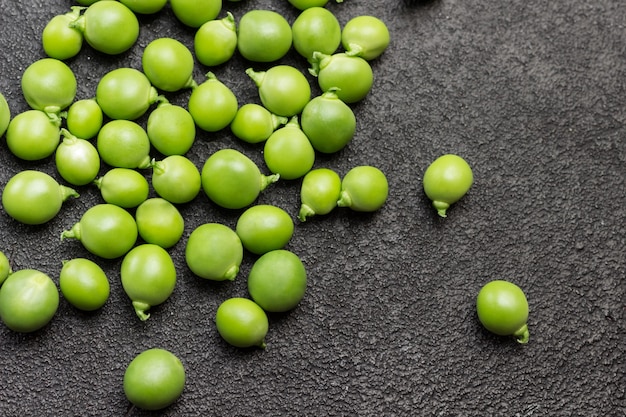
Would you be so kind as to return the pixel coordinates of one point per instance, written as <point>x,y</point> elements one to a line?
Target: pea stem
<point>67,192</point>
<point>231,273</point>
<point>305,211</point>
<point>73,233</point>
<point>344,199</point>
<point>141,309</point>
<point>441,207</point>
<point>268,179</point>
<point>522,335</point>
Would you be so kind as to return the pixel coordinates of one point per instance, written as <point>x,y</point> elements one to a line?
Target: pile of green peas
<point>106,132</point>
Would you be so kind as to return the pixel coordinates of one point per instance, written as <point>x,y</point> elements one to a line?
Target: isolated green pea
<point>28,300</point>
<point>446,180</point>
<point>84,284</point>
<point>154,379</point>
<point>316,29</point>
<point>328,122</point>
<point>503,309</point>
<point>168,64</point>
<point>363,188</point>
<point>105,230</point>
<point>34,197</point>
<point>263,36</point>
<point>125,93</point>
<point>365,36</point>
<point>123,187</point>
<point>214,251</point>
<point>84,118</point>
<point>5,267</point>
<point>159,222</point>
<point>176,179</point>
<point>148,276</point>
<point>49,85</point>
<point>277,281</point>
<point>264,227</point>
<point>171,129</point>
<point>253,123</point>
<point>212,104</point>
<point>242,323</point>
<point>215,42</point>
<point>284,90</point>
<point>59,39</point>
<point>320,190</point>
<point>124,144</point>
<point>32,135</point>
<point>77,160</point>
<point>288,151</point>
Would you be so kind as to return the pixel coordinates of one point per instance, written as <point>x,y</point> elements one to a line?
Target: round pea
<point>263,36</point>
<point>105,230</point>
<point>49,85</point>
<point>145,6</point>
<point>316,29</point>
<point>176,179</point>
<point>351,76</point>
<point>194,13</point>
<point>34,197</point>
<point>242,323</point>
<point>253,123</point>
<point>215,42</point>
<point>212,104</point>
<point>154,379</point>
<point>28,300</point>
<point>59,39</point>
<point>320,190</point>
<point>125,93</point>
<point>446,180</point>
<point>148,277</point>
<point>77,160</point>
<point>84,118</point>
<point>84,284</point>
<point>365,36</point>
<point>277,281</point>
<point>288,151</point>
<point>214,251</point>
<point>171,129</point>
<point>5,267</point>
<point>363,188</point>
<point>123,187</point>
<point>283,89</point>
<point>124,144</point>
<point>263,228</point>
<point>159,222</point>
<point>306,4</point>
<point>503,309</point>
<point>5,114</point>
<point>32,135</point>
<point>168,64</point>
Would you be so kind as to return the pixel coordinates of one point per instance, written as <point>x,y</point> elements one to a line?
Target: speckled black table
<point>531,93</point>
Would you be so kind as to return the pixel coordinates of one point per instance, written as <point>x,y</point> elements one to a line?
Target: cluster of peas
<point>292,126</point>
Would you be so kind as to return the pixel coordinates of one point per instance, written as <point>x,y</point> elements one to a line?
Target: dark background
<point>532,94</point>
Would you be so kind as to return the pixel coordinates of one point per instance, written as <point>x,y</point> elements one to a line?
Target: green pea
<point>446,180</point>
<point>123,187</point>
<point>363,188</point>
<point>214,251</point>
<point>320,190</point>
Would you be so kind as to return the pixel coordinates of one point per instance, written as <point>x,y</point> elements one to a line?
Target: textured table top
<point>531,94</point>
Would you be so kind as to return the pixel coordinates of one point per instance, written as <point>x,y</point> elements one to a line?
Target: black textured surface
<point>531,93</point>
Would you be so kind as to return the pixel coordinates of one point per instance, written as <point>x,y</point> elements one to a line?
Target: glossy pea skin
<point>283,89</point>
<point>215,42</point>
<point>320,190</point>
<point>242,323</point>
<point>316,29</point>
<point>328,122</point>
<point>123,187</point>
<point>148,277</point>
<point>168,64</point>
<point>503,309</point>
<point>212,104</point>
<point>124,144</point>
<point>5,267</point>
<point>446,180</point>
<point>176,179</point>
<point>32,135</point>
<point>105,230</point>
<point>28,300</point>
<point>144,6</point>
<point>352,76</point>
<point>77,160</point>
<point>363,188</point>
<point>84,284</point>
<point>59,40</point>
<point>171,129</point>
<point>263,36</point>
<point>125,93</point>
<point>154,379</point>
<point>263,228</point>
<point>365,36</point>
<point>253,123</point>
<point>232,180</point>
<point>214,251</point>
<point>288,151</point>
<point>49,85</point>
<point>84,118</point>
<point>277,281</point>
<point>159,222</point>
<point>5,115</point>
<point>194,13</point>
<point>306,4</point>
<point>108,27</point>
<point>34,197</point>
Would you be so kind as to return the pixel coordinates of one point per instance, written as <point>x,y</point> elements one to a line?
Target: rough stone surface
<point>530,93</point>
